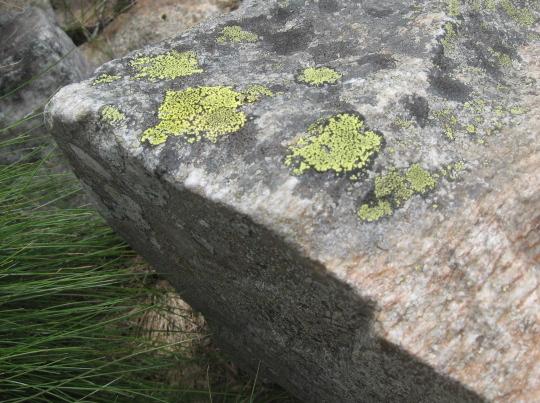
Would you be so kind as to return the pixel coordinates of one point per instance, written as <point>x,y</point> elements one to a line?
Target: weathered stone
<point>150,21</point>
<point>20,5</point>
<point>37,58</point>
<point>369,235</point>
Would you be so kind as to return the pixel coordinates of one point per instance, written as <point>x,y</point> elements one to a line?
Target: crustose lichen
<point>112,114</point>
<point>319,76</point>
<point>340,144</point>
<point>198,112</point>
<point>167,66</point>
<point>394,189</point>
<point>236,34</point>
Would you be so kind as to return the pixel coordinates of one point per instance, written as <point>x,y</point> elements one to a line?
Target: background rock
<point>38,58</point>
<point>150,21</point>
<point>405,272</point>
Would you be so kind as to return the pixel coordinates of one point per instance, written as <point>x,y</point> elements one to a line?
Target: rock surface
<point>348,190</point>
<point>150,21</point>
<point>37,58</point>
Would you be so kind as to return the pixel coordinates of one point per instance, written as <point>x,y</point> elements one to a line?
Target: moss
<point>374,213</point>
<point>198,112</point>
<point>319,76</point>
<point>235,34</point>
<point>112,114</point>
<point>105,79</point>
<point>255,92</point>
<point>522,16</point>
<point>340,144</point>
<point>167,66</point>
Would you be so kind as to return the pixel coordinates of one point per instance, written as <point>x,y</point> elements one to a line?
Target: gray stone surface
<point>398,261</point>
<point>37,58</point>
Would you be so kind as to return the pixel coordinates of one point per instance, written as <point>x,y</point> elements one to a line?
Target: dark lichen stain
<point>448,87</point>
<point>378,12</point>
<point>480,36</point>
<point>293,40</point>
<point>282,30</point>
<point>328,52</point>
<point>329,6</point>
<point>418,107</point>
<point>378,61</point>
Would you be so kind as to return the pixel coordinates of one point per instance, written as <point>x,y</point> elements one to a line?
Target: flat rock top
<point>396,142</point>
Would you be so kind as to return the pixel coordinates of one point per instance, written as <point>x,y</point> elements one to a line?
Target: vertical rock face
<point>37,58</point>
<point>348,190</point>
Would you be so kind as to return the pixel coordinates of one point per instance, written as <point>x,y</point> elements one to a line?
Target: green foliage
<point>66,298</point>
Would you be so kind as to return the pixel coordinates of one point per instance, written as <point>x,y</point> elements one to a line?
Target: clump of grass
<point>72,308</point>
<point>68,300</point>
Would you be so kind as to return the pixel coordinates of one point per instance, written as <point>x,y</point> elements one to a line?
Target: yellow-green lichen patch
<point>373,213</point>
<point>454,8</point>
<point>112,114</point>
<point>522,16</point>
<point>319,76</point>
<point>449,39</point>
<point>235,34</point>
<point>502,59</point>
<point>420,180</point>
<point>517,110</point>
<point>340,144</point>
<point>452,171</point>
<point>478,117</point>
<point>198,112</point>
<point>403,123</point>
<point>393,185</point>
<point>255,92</point>
<point>449,122</point>
<point>394,188</point>
<point>167,66</point>
<point>105,79</point>
<point>471,129</point>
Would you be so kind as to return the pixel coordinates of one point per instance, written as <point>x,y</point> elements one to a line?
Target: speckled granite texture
<point>348,190</point>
